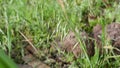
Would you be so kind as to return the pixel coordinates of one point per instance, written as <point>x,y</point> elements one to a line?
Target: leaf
<point>5,61</point>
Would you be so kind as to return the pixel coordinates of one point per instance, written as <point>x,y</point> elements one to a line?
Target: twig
<point>36,51</point>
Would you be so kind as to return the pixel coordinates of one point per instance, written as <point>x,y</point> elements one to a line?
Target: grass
<point>44,20</point>
<point>5,61</point>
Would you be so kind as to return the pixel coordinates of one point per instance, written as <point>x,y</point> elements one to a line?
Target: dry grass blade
<point>62,4</point>
<point>63,8</point>
<point>108,47</point>
<point>36,51</point>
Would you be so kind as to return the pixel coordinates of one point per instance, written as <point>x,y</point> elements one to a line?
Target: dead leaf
<point>30,49</point>
<point>24,66</point>
<point>34,62</point>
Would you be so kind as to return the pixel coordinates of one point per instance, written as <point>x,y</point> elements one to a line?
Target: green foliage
<point>5,61</point>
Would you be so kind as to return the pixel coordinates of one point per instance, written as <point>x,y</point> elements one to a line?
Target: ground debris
<point>112,33</point>
<point>24,66</point>
<point>71,44</point>
<point>34,62</point>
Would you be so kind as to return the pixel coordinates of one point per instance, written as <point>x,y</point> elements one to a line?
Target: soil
<point>112,33</point>
<point>71,44</point>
